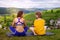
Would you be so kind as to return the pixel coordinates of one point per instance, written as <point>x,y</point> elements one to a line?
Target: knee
<point>31,28</point>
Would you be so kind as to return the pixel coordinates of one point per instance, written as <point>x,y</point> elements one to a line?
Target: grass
<point>30,18</point>
<point>52,37</point>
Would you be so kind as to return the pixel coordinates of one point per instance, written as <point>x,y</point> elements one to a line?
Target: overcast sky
<point>30,3</point>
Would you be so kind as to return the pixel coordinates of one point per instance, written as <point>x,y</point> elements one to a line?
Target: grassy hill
<point>30,17</point>
<point>47,15</point>
<point>11,10</point>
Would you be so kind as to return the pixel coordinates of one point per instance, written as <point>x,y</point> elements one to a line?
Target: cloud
<point>30,3</point>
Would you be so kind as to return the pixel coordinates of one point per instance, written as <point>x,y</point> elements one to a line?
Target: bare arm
<point>13,25</point>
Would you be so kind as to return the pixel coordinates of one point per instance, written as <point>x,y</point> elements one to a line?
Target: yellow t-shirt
<point>39,26</point>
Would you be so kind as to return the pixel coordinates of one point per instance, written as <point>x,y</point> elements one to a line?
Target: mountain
<point>4,10</point>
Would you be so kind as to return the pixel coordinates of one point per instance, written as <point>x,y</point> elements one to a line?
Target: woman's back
<point>19,24</point>
<point>39,26</point>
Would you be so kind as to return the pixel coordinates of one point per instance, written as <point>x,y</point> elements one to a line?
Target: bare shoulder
<point>23,19</point>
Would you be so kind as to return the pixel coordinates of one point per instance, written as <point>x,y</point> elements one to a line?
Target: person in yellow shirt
<point>39,24</point>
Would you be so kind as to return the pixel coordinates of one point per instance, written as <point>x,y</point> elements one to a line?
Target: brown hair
<point>20,13</point>
<point>39,14</point>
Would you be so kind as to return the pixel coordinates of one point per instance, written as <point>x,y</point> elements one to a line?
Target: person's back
<point>19,24</point>
<point>39,23</point>
<point>18,27</point>
<point>39,26</point>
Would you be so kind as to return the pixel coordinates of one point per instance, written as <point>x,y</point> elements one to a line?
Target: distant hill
<point>15,10</point>
<point>3,10</point>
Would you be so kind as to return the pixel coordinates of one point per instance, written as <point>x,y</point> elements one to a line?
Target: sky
<point>30,3</point>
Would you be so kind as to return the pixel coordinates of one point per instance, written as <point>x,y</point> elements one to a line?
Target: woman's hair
<point>20,13</point>
<point>39,14</point>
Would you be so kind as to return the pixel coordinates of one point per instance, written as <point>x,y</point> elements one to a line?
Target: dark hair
<point>20,13</point>
<point>39,14</point>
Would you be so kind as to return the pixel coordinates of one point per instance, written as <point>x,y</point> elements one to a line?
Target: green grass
<point>52,37</point>
<point>29,20</point>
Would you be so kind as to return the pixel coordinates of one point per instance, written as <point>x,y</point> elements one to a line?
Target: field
<point>51,37</point>
<point>6,20</point>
